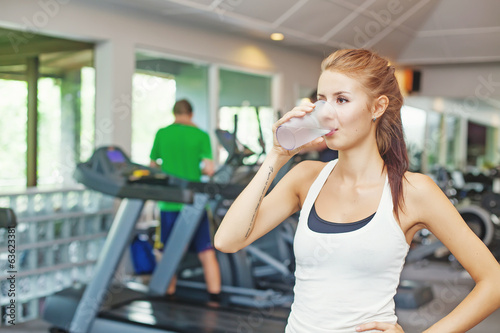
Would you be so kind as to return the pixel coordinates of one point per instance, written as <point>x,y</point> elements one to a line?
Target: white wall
<point>473,89</point>
<point>119,33</point>
<point>461,80</point>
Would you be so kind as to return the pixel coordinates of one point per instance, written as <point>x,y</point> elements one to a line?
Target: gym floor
<point>450,284</point>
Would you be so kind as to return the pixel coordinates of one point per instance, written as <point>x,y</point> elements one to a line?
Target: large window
<point>50,131</point>
<point>87,119</point>
<point>65,125</point>
<point>157,84</point>
<point>248,97</point>
<point>154,97</point>
<point>47,110</point>
<point>13,134</point>
<point>434,133</point>
<point>414,129</point>
<point>432,139</point>
<point>251,121</point>
<point>440,134</point>
<point>452,141</point>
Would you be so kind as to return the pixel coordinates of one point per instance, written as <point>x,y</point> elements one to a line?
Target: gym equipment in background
<point>102,306</point>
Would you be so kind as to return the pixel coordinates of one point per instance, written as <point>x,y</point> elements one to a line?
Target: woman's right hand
<point>297,112</point>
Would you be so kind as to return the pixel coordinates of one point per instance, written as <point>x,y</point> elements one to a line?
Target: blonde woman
<point>358,213</point>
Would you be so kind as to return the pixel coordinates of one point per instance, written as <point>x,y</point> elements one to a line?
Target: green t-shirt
<point>181,148</point>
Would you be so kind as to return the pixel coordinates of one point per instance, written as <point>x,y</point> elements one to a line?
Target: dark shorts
<point>201,240</point>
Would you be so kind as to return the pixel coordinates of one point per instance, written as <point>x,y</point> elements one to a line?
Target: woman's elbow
<point>223,245</point>
<point>491,284</point>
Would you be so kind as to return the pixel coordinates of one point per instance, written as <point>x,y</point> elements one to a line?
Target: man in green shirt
<point>183,150</point>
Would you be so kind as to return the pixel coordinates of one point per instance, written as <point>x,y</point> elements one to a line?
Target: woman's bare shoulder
<point>302,175</point>
<point>308,169</point>
<point>420,195</point>
<point>418,183</point>
<point>312,164</point>
<point>420,189</point>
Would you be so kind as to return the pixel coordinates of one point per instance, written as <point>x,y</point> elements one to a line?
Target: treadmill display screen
<point>116,156</point>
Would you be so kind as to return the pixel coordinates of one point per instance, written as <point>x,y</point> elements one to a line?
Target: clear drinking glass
<point>300,130</point>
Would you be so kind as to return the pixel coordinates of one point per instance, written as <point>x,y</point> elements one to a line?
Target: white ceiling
<point>412,32</point>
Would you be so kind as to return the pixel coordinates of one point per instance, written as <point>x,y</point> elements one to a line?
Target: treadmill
<point>102,306</point>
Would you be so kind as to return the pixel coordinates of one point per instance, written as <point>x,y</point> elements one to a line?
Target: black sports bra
<point>317,224</point>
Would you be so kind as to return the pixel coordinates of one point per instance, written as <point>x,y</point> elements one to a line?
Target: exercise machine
<point>270,258</point>
<point>103,306</point>
<point>474,203</point>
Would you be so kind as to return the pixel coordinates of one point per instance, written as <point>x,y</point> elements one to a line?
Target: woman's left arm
<point>440,217</point>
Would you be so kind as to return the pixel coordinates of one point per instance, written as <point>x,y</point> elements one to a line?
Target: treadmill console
<point>111,171</point>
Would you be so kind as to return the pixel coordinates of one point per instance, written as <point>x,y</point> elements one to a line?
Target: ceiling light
<point>277,36</point>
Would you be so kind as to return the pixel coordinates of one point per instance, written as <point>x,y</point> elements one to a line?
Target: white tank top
<point>346,279</point>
